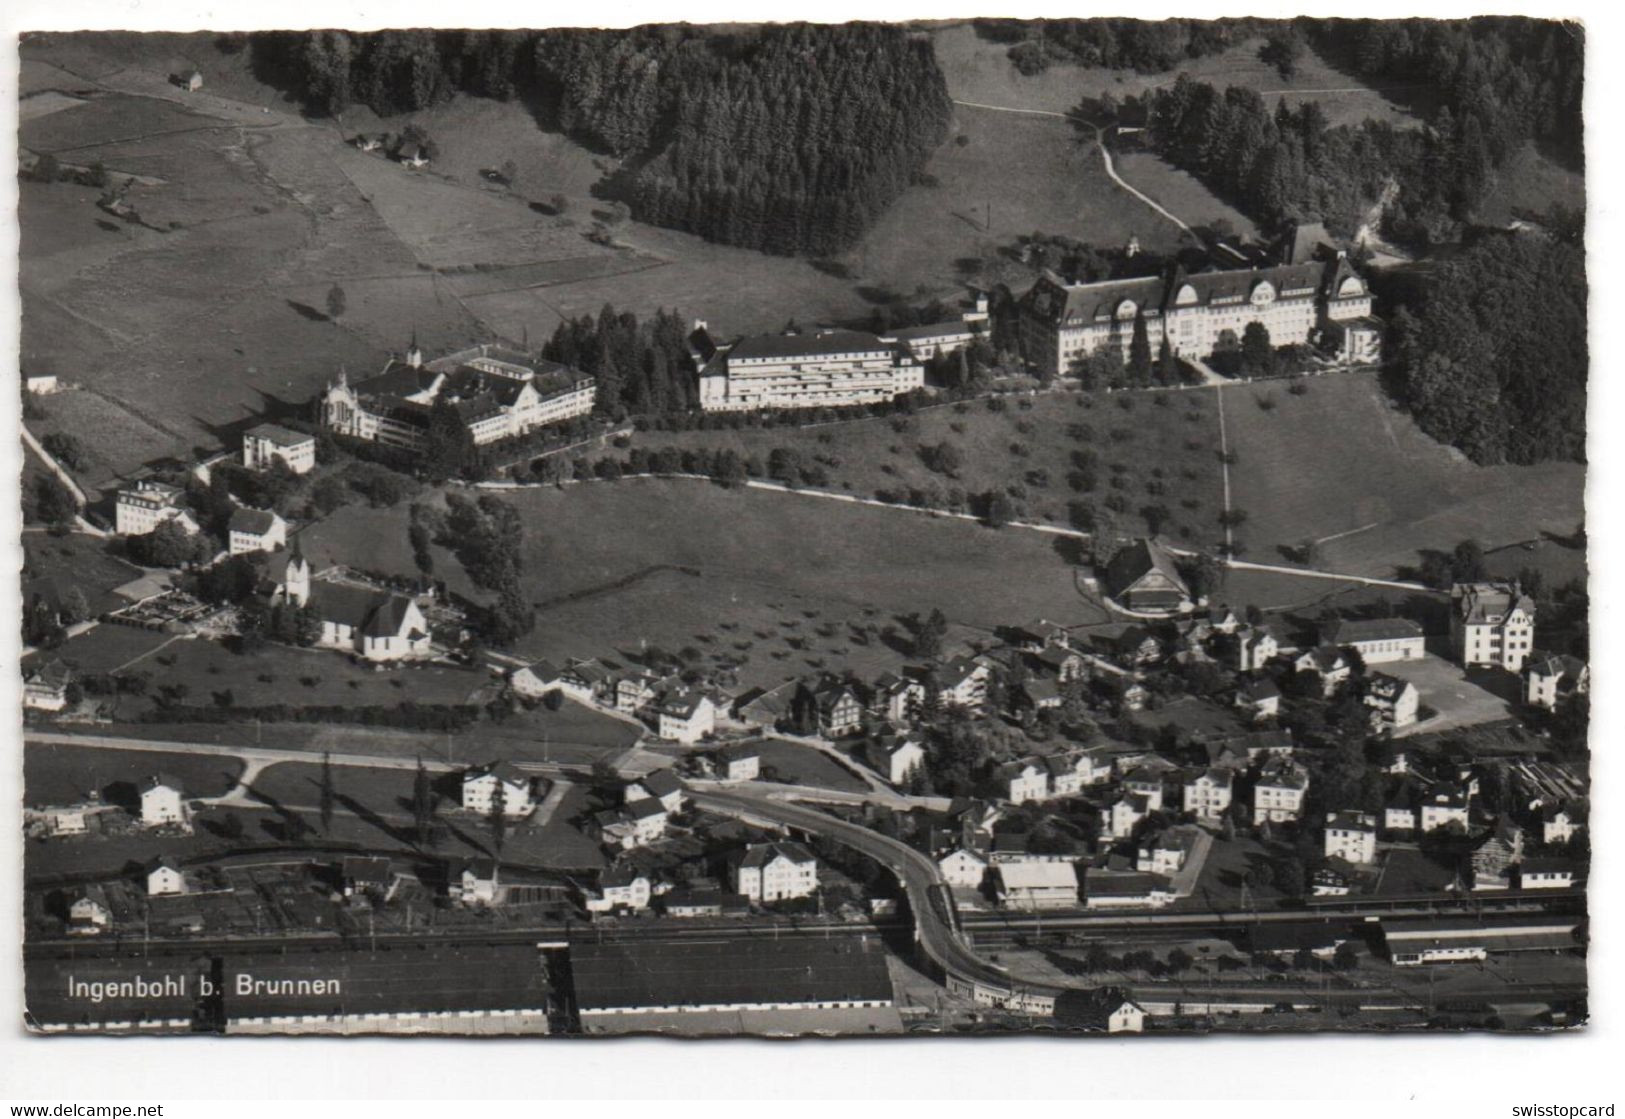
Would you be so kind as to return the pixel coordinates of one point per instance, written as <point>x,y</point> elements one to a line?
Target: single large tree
<point>327,793</point>
<point>422,803</point>
<point>1139,352</point>
<point>497,818</point>
<point>336,302</point>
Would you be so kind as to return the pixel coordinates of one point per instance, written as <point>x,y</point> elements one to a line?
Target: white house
<point>481,785</point>
<point>476,882</point>
<point>256,530</point>
<point>896,757</point>
<point>963,868</point>
<point>1260,698</point>
<point>825,369</point>
<point>148,504</point>
<point>163,801</point>
<point>1329,664</point>
<point>619,887</point>
<point>685,716</point>
<point>1103,889</point>
<point>1279,791</point>
<point>45,687</point>
<point>770,872</point>
<point>1208,794</point>
<point>1351,836</point>
<point>739,762</point>
<point>1393,702</point>
<point>1546,874</point>
<point>1028,885</point>
<point>164,878</point>
<point>269,443</point>
<point>41,384</point>
<point>1123,815</point>
<point>1166,853</point>
<point>1023,781</point>
<point>1492,624</point>
<point>1256,646</point>
<point>88,915</point>
<point>1146,782</point>
<point>1558,825</point>
<point>535,681</point>
<point>1442,809</point>
<point>662,786</point>
<point>1548,679</point>
<point>963,683</point>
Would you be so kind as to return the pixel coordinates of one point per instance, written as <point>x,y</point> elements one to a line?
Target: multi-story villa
<point>148,504</point>
<point>1492,624</point>
<point>824,369</point>
<point>498,394</point>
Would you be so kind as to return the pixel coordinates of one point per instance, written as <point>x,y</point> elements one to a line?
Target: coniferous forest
<point>788,139</point>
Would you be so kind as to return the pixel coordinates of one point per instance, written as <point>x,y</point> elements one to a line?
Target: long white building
<point>824,369</point>
<point>1063,322</point>
<point>498,394</point>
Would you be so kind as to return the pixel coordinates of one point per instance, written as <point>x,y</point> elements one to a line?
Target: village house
<point>1065,773</point>
<point>840,713</point>
<point>769,872</point>
<point>963,868</point>
<point>1143,577</point>
<point>1221,620</point>
<point>1167,852</point>
<point>1393,702</point>
<point>706,901</point>
<point>1102,1009</point>
<point>620,887</point>
<point>1256,646</point>
<point>1146,781</point>
<point>637,690</point>
<point>497,394</point>
<point>46,686</point>
<point>963,684</point>
<point>147,504</point>
<point>69,819</point>
<point>635,824</point>
<point>1328,664</point>
<point>1399,812</point>
<point>482,785</point>
<point>535,681</point>
<point>1279,791</point>
<point>1550,679</point>
<point>685,716</point>
<point>1495,860</point>
<point>661,785</point>
<point>1022,781</point>
<point>1351,836</point>
<point>739,762</point>
<point>588,681</point>
<point>164,878</point>
<point>1443,808</point>
<point>1260,699</point>
<point>897,699</point>
<point>163,801</point>
<point>1119,818</point>
<point>895,757</point>
<point>1377,640</point>
<point>256,530</point>
<point>1136,646</point>
<point>269,443</point>
<point>1544,873</point>
<point>1109,889</point>
<point>1558,824</point>
<point>1034,695</point>
<point>823,369</point>
<point>1208,793</point>
<point>1060,664</point>
<point>474,881</point>
<point>1063,322</point>
<point>1491,624</point>
<point>367,876</point>
<point>1033,886</point>
<point>1336,879</point>
<point>89,914</point>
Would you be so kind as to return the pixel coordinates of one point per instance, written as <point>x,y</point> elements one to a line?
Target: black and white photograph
<point>924,528</point>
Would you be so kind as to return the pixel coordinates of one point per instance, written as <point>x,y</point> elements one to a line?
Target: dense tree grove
<point>1498,84</point>
<point>790,139</point>
<point>1491,351</point>
<point>642,369</point>
<point>1112,44</point>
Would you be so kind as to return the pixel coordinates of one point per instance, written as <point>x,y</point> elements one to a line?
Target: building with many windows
<point>1492,624</point>
<point>270,443</point>
<point>823,369</point>
<point>496,393</point>
<point>148,504</point>
<point>1377,640</point>
<point>1063,322</point>
<point>771,872</point>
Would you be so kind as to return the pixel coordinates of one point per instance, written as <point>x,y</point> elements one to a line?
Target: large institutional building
<point>1492,624</point>
<point>498,394</point>
<point>825,369</point>
<point>1062,322</point>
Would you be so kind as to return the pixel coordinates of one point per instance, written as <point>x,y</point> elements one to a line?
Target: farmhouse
<point>840,713</point>
<point>662,785</point>
<point>270,443</point>
<point>148,504</point>
<point>964,868</point>
<point>1377,640</point>
<point>825,369</point>
<point>1143,577</point>
<point>770,872</point>
<point>1491,624</point>
<point>1062,322</point>
<point>256,530</point>
<point>494,393</point>
<point>45,687</point>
